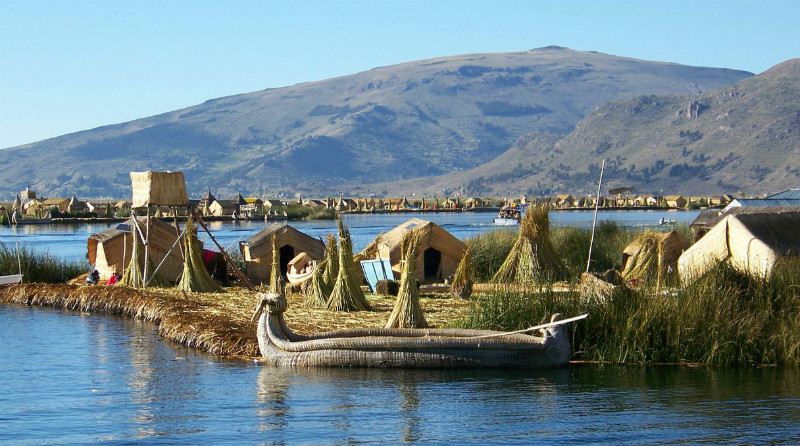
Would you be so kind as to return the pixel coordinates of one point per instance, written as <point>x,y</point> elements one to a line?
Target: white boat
<point>510,215</point>
<point>11,279</point>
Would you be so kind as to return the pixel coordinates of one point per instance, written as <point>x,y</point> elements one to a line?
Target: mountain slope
<point>405,121</point>
<point>742,137</point>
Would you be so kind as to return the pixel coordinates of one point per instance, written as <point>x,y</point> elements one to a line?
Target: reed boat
<point>301,269</point>
<point>406,348</point>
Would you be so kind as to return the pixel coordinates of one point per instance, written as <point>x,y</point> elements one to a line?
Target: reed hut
<point>438,253</point>
<point>257,250</point>
<point>751,242</point>
<point>110,250</point>
<point>653,256</point>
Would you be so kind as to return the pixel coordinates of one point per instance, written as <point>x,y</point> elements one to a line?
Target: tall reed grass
<point>38,266</point>
<point>725,318</point>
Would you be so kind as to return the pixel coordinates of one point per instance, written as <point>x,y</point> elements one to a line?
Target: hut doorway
<point>286,255</point>
<point>432,260</point>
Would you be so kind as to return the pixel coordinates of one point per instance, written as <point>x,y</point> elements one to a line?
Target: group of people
<point>94,278</point>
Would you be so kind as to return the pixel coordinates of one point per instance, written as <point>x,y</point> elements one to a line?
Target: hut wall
<point>748,253</point>
<point>705,254</point>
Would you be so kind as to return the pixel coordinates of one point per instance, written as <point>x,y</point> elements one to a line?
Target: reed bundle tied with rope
<point>461,288</point>
<point>532,259</point>
<point>347,294</point>
<point>407,312</point>
<point>275,266</point>
<point>133,276</point>
<point>195,277</point>
<point>324,276</point>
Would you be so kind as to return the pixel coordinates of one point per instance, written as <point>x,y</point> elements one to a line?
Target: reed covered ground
<point>724,318</point>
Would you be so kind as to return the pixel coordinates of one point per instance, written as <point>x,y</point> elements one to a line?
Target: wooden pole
<point>594,222</point>
<point>236,271</point>
<point>534,328</point>
<point>146,249</point>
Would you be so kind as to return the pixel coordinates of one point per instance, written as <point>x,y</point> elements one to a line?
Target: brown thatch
<point>257,250</point>
<point>532,258</point>
<point>751,242</point>
<point>324,276</point>
<point>195,276</point>
<point>653,257</point>
<point>134,272</point>
<point>407,312</point>
<point>347,294</point>
<point>110,250</point>
<point>159,188</point>
<point>438,253</point>
<point>461,287</point>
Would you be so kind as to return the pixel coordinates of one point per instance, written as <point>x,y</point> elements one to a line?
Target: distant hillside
<point>418,119</point>
<point>744,136</point>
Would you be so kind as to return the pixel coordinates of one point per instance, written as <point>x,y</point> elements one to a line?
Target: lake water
<point>72,378</point>
<point>69,241</point>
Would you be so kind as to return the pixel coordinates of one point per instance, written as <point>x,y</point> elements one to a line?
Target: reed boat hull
<point>409,348</point>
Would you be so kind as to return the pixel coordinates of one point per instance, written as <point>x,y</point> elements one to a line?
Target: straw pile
<point>195,277</point>
<point>407,312</point>
<point>461,288</point>
<point>532,259</point>
<point>133,275</point>
<point>324,276</point>
<point>651,255</point>
<point>347,294</point>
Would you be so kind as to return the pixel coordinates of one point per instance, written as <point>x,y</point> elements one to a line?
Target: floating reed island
<point>218,323</point>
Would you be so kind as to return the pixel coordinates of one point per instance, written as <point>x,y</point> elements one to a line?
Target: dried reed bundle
<point>195,277</point>
<point>324,276</point>
<point>347,294</point>
<point>134,273</point>
<point>532,258</point>
<point>407,312</point>
<point>646,258</point>
<point>275,268</point>
<point>461,288</point>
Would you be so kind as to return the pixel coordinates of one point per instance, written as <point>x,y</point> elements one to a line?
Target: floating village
<point>419,297</point>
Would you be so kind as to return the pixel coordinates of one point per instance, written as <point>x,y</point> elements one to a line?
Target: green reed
<point>38,266</point>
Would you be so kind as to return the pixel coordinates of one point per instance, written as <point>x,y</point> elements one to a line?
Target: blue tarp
<point>376,270</point>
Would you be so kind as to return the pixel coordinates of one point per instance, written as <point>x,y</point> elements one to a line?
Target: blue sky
<point>67,66</point>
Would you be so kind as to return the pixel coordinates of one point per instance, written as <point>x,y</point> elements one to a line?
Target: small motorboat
<point>666,222</point>
<point>407,348</point>
<point>510,215</point>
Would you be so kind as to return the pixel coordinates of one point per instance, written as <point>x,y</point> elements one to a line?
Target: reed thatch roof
<point>257,250</point>
<point>110,250</point>
<point>432,237</point>
<point>751,242</point>
<point>159,188</point>
<point>651,255</point>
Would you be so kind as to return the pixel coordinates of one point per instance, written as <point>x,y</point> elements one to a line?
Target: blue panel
<point>375,271</point>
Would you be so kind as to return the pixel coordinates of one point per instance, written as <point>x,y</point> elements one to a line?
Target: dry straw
<point>407,312</point>
<point>461,288</point>
<point>347,294</point>
<point>195,277</point>
<point>532,259</point>
<point>324,276</point>
<point>133,275</point>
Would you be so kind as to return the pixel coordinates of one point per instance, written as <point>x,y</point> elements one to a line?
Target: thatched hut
<point>652,256</point>
<point>751,242</point>
<point>110,250</point>
<point>257,250</point>
<point>438,253</point>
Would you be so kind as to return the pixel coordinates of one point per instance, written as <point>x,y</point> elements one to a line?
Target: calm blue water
<point>71,378</point>
<point>69,241</point>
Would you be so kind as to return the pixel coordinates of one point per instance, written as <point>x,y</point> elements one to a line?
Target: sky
<point>67,66</point>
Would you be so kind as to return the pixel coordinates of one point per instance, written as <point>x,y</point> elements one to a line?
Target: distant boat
<point>666,222</point>
<point>18,219</point>
<point>510,215</point>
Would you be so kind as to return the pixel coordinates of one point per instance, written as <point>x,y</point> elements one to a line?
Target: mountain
<point>417,119</point>
<point>745,136</point>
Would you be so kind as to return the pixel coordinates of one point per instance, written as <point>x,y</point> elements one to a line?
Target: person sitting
<point>115,278</point>
<point>93,278</point>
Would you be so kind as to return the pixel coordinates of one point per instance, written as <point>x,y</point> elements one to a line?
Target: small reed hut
<point>652,256</point>
<point>110,250</point>
<point>257,250</point>
<point>438,254</point>
<point>752,243</point>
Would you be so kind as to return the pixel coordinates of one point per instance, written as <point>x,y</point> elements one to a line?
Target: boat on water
<point>19,219</point>
<point>510,215</point>
<point>667,222</point>
<point>406,348</point>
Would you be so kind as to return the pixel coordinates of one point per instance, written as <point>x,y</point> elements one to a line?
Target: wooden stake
<point>534,328</point>
<point>224,254</point>
<point>594,222</point>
